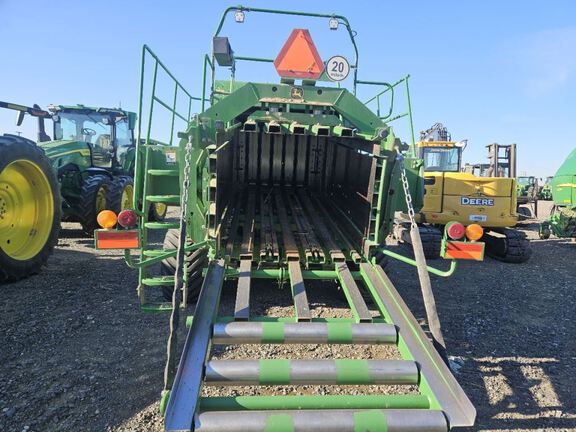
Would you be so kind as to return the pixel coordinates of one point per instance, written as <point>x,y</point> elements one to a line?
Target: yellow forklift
<point>453,195</point>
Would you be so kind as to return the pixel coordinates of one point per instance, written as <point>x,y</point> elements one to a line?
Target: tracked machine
<point>487,204</point>
<point>289,184</point>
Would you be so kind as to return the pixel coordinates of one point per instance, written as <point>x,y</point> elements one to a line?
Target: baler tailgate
<point>440,405</point>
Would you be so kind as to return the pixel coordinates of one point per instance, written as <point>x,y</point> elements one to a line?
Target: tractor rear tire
<point>195,262</point>
<point>30,208</point>
<point>157,212</point>
<point>93,201</point>
<point>120,194</point>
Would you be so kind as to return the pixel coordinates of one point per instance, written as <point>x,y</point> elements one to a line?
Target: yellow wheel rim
<point>101,199</point>
<point>127,201</point>
<point>26,209</point>
<point>160,209</point>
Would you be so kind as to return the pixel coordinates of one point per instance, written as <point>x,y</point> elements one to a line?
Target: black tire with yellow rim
<point>93,201</point>
<point>121,194</point>
<point>157,212</point>
<point>30,208</point>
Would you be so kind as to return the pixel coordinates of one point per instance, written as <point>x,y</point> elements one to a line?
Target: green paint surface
<point>339,332</point>
<point>352,371</point>
<point>272,332</point>
<point>274,372</point>
<point>370,421</point>
<point>279,423</point>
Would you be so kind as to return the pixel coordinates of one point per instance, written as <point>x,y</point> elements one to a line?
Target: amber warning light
<point>299,57</point>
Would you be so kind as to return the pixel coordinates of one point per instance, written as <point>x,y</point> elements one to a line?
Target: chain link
<point>406,187</point>
<point>186,182</point>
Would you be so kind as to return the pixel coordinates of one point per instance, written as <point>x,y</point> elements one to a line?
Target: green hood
<point>56,149</point>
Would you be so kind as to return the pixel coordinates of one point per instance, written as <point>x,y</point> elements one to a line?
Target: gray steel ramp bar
<point>185,392</point>
<point>236,333</point>
<point>299,291</point>
<point>436,375</point>
<point>242,305</point>
<point>386,420</point>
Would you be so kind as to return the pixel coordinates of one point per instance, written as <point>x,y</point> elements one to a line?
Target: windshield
<point>441,158</point>
<point>525,181</point>
<point>82,127</point>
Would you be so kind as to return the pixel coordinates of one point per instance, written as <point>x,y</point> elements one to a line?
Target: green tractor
<point>87,168</point>
<point>527,194</point>
<point>562,221</point>
<point>545,192</point>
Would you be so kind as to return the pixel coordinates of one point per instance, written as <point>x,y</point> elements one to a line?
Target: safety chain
<point>186,182</point>
<point>406,187</point>
<point>179,279</point>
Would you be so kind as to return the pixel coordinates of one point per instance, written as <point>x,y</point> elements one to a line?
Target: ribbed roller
<point>408,420</point>
<point>340,371</point>
<point>303,333</point>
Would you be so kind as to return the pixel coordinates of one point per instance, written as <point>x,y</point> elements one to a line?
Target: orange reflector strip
<point>115,239</point>
<point>464,250</point>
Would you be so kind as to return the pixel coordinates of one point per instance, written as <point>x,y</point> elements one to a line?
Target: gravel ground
<point>77,354</point>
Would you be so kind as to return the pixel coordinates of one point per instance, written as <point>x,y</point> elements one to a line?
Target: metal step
<point>385,420</point>
<point>156,252</point>
<point>162,225</point>
<point>234,333</point>
<point>342,401</point>
<point>310,372</point>
<point>171,199</point>
<point>164,172</point>
<point>156,307</point>
<point>159,281</point>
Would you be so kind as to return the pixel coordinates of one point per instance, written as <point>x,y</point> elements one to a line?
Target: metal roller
<point>235,333</point>
<point>408,420</point>
<point>331,372</point>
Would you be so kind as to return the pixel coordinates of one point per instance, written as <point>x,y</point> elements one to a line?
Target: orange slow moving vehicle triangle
<point>299,57</point>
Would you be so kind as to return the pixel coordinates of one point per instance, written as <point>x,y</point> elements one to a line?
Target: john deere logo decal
<point>476,201</point>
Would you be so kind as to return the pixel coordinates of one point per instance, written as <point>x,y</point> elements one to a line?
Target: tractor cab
<point>108,133</point>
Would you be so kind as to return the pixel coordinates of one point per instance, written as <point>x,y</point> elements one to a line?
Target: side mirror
<point>20,117</point>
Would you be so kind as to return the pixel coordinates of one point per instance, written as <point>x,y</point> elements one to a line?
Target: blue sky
<point>491,71</point>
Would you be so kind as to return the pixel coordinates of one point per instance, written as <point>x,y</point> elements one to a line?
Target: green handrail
<point>434,271</point>
<point>342,19</point>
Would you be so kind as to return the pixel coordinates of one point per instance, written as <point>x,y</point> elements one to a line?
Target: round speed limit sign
<point>337,68</point>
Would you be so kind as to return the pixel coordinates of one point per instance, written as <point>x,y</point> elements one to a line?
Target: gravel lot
<point>77,354</point>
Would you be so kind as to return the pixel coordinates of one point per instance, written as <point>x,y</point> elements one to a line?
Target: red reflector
<point>455,230</point>
<point>114,239</point>
<point>464,250</point>
<point>299,57</point>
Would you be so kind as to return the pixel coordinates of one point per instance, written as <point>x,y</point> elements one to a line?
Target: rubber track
<point>431,241</point>
<point>514,248</point>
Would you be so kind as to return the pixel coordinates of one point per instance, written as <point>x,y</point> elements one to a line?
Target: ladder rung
<point>163,172</point>
<point>390,420</point>
<point>303,333</point>
<point>311,372</point>
<point>156,307</point>
<point>340,402</point>
<point>156,252</point>
<point>159,281</point>
<point>161,225</point>
<point>175,199</point>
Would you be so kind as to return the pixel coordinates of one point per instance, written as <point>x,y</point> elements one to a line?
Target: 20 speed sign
<point>337,68</point>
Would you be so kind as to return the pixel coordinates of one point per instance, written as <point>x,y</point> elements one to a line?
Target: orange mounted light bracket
<point>463,250</point>
<point>116,239</point>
